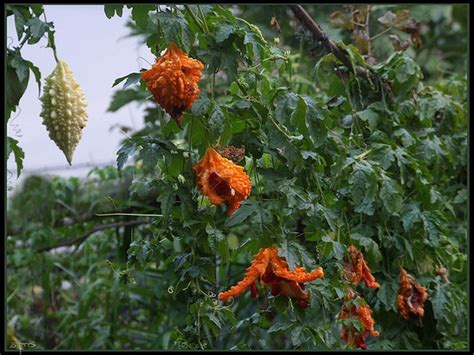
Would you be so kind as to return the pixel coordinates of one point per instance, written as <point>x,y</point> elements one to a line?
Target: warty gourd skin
<point>64,109</point>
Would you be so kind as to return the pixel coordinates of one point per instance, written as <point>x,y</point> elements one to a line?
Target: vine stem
<point>191,13</point>
<point>367,17</point>
<point>363,155</point>
<point>82,238</point>
<point>381,33</point>
<point>51,43</point>
<point>22,43</point>
<point>128,214</point>
<point>386,30</point>
<point>203,19</point>
<point>278,127</point>
<point>213,84</point>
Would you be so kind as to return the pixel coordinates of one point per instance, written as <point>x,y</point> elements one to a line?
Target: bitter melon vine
<point>299,183</point>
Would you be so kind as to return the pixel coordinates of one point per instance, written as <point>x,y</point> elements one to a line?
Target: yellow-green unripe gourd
<point>64,109</point>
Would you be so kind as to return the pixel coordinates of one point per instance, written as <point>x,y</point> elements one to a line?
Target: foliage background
<point>333,159</point>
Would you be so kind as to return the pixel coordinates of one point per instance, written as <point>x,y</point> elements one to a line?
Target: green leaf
<point>406,137</point>
<point>140,14</point>
<point>333,248</point>
<point>329,216</point>
<point>406,71</point>
<point>369,116</point>
<point>288,251</point>
<point>371,248</point>
<point>316,119</point>
<point>285,106</point>
<point>124,97</point>
<point>197,134</point>
<point>38,28</point>
<point>37,9</point>
<point>214,236</point>
<point>217,120</point>
<point>15,87</point>
<point>20,20</point>
<point>166,198</point>
<point>201,106</point>
<point>245,210</point>
<point>174,27</point>
<point>223,32</point>
<point>296,335</point>
<point>439,301</point>
<point>391,198</point>
<point>431,228</point>
<point>128,148</point>
<point>51,40</point>
<point>37,74</point>
<point>430,148</point>
<point>111,10</point>
<point>461,196</point>
<point>150,153</point>
<point>12,146</point>
<point>383,154</point>
<point>279,326</point>
<point>175,164</point>
<point>21,67</point>
<point>132,79</point>
<point>229,63</point>
<point>363,188</point>
<point>253,40</point>
<point>411,214</point>
<point>298,117</point>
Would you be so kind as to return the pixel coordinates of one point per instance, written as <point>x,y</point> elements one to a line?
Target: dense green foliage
<point>334,160</point>
<point>30,29</point>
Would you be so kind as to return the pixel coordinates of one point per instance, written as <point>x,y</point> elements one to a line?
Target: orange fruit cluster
<point>357,270</point>
<point>173,81</point>
<point>274,272</point>
<point>411,296</point>
<point>222,181</point>
<point>364,314</point>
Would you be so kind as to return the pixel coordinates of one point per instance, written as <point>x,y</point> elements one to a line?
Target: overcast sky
<point>97,52</point>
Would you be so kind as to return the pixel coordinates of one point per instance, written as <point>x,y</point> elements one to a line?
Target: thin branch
<point>128,214</point>
<point>191,13</point>
<point>203,18</point>
<point>367,30</point>
<point>381,33</point>
<point>51,43</point>
<point>27,37</point>
<point>318,34</point>
<point>82,238</point>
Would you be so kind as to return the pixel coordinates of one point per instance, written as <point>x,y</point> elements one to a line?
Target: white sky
<point>97,53</point>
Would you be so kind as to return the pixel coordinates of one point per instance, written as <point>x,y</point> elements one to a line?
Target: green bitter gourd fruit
<point>64,109</point>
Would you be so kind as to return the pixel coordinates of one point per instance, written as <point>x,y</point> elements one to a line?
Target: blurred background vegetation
<point>443,28</point>
<point>84,295</point>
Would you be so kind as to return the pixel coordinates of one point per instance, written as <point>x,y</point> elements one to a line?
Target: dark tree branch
<point>318,34</point>
<point>82,238</point>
